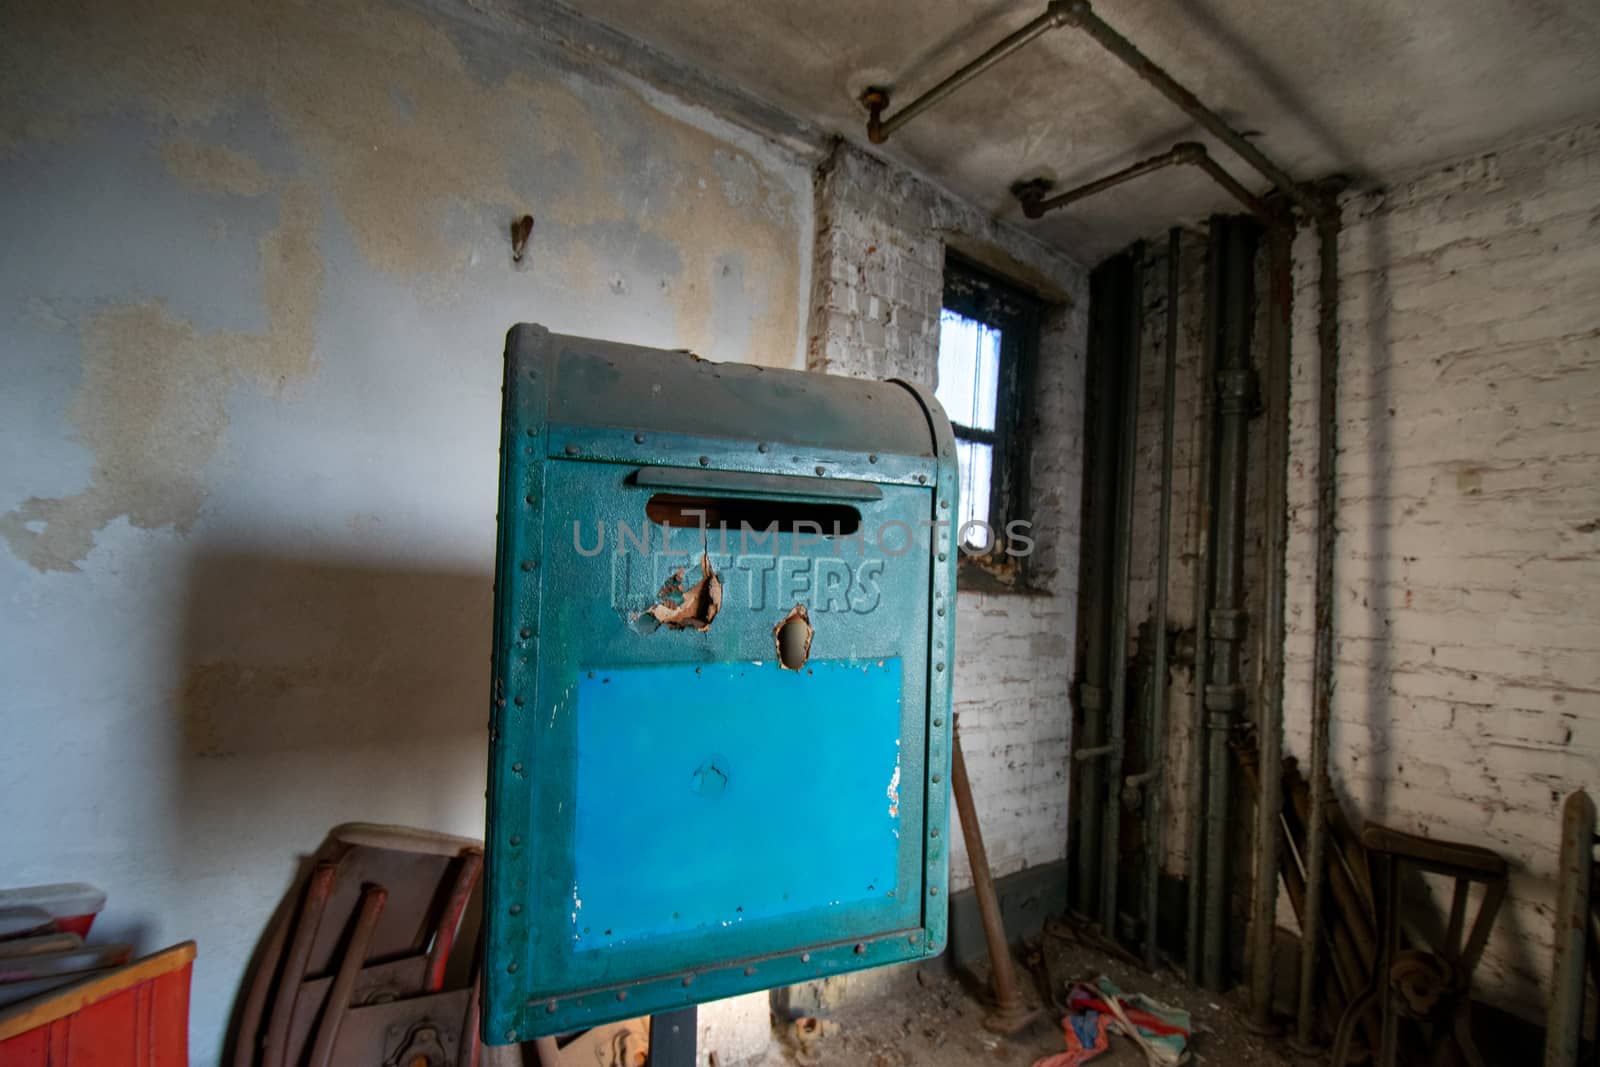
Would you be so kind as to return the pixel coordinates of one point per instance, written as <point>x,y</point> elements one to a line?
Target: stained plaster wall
<point>254,284</point>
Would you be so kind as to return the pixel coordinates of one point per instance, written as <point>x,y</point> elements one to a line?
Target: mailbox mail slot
<point>724,622</point>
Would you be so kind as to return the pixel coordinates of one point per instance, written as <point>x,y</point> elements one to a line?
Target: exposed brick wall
<point>1468,650</point>
<point>877,292</point>
<point>1467,698</point>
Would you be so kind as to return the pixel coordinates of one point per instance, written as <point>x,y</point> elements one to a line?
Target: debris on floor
<point>935,1019</point>
<point>1094,1011</point>
<point>806,1033</point>
<point>1087,1033</point>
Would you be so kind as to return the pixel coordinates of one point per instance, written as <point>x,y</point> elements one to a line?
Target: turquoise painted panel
<point>674,817</point>
<point>752,766</point>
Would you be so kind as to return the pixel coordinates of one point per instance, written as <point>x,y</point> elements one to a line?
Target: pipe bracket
<point>1223,701</point>
<point>1237,390</point>
<point>1228,624</point>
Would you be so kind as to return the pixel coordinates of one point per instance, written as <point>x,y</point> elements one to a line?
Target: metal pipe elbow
<point>1068,12</point>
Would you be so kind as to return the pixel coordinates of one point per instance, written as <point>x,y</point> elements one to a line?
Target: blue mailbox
<point>719,731</point>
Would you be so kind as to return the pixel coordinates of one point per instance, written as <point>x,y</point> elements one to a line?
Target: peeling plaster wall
<point>254,288</point>
<point>879,264</point>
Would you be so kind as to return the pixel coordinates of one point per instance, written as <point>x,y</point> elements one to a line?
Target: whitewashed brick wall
<point>1468,569</point>
<point>878,270</point>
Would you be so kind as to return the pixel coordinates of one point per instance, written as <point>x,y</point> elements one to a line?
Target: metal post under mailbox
<point>720,716</point>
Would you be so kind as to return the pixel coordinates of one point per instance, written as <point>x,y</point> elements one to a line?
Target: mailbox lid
<point>600,385</point>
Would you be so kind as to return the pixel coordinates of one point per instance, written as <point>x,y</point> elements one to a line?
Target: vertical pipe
<point>674,1036</point>
<point>1322,658</point>
<point>1564,1026</point>
<point>1269,801</point>
<point>1132,338</point>
<point>1205,433</point>
<point>1100,529</point>
<point>1235,240</point>
<point>1155,768</point>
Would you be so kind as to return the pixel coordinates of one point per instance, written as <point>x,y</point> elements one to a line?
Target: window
<point>988,332</point>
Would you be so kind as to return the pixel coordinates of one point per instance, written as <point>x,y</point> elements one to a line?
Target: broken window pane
<point>969,370</point>
<point>976,468</point>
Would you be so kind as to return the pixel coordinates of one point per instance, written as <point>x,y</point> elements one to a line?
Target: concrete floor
<point>935,1020</point>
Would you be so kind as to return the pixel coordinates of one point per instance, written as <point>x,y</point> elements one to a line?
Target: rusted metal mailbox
<point>724,623</point>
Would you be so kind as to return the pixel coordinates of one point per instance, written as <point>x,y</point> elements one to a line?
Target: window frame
<point>978,294</point>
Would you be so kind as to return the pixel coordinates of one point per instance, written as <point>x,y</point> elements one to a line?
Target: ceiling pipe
<point>1080,13</point>
<point>1035,203</point>
<point>876,98</point>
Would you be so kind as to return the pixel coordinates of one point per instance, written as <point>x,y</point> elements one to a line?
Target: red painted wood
<point>143,1025</point>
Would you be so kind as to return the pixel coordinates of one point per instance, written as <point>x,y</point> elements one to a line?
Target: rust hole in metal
<point>691,607</point>
<point>793,638</point>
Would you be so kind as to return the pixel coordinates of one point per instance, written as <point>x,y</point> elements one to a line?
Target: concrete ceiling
<point>1368,88</point>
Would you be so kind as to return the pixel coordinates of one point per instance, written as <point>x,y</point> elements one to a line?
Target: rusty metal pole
<point>1564,1025</point>
<point>1305,1037</point>
<point>1011,1012</point>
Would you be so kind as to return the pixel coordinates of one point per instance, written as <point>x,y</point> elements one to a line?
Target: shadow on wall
<point>315,692</point>
<point>284,655</point>
<point>308,693</point>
